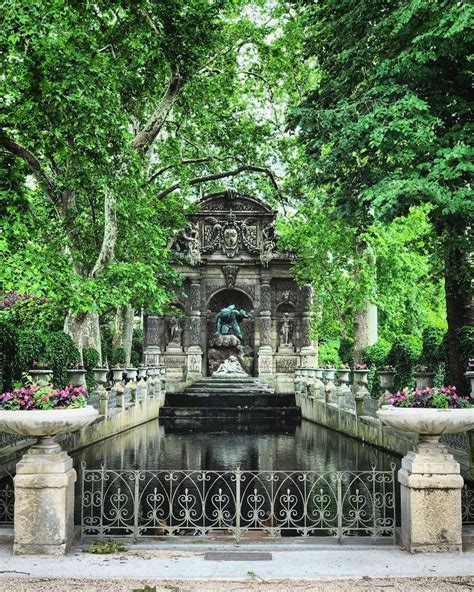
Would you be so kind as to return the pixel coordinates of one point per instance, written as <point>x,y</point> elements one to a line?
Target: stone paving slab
<point>314,564</point>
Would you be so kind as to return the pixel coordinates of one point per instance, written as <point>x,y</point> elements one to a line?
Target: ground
<point>255,584</point>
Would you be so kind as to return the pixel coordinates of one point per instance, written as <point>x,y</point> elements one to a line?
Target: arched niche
<point>224,298</point>
<point>282,309</point>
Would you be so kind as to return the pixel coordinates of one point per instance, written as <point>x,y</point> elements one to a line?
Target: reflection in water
<point>276,446</point>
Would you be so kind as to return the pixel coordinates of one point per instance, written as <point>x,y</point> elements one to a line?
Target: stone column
<point>44,501</point>
<point>152,351</point>
<point>194,352</point>
<point>430,495</point>
<point>308,351</point>
<point>265,351</point>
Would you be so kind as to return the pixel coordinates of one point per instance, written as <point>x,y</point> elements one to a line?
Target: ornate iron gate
<point>145,503</point>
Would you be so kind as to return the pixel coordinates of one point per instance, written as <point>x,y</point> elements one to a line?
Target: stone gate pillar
<point>265,352</point>
<point>308,352</point>
<point>194,352</point>
<point>152,351</point>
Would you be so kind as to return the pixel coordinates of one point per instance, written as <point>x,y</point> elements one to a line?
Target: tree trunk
<point>85,331</point>
<point>457,276</point>
<point>123,330</point>
<point>365,329</point>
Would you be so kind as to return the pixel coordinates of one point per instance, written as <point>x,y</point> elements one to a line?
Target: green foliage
<point>434,347</point>
<point>136,356</point>
<point>30,349</point>
<point>59,354</point>
<point>403,356</point>
<point>346,351</point>
<point>90,358</point>
<point>376,354</point>
<point>105,547</point>
<point>328,354</point>
<point>466,342</point>
<point>8,351</point>
<point>117,357</point>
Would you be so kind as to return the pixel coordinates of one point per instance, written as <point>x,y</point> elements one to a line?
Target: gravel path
<point>255,584</point>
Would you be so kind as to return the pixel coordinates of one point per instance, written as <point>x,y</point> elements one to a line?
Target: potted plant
<point>77,374</point>
<point>40,371</point>
<point>428,412</point>
<point>423,377</point>
<point>44,481</point>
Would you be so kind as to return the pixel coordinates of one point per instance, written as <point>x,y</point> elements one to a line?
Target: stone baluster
<point>162,391</point>
<point>343,380</point>
<point>118,387</point>
<point>360,390</point>
<point>470,378</point>
<point>100,393</point>
<point>330,386</point>
<point>297,381</point>
<point>319,384</point>
<point>131,386</point>
<point>151,374</point>
<point>142,387</point>
<point>311,372</point>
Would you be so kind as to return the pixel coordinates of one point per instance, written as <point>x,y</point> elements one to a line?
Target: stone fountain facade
<point>228,254</point>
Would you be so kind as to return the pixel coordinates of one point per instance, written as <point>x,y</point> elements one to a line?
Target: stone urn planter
<point>76,377</point>
<point>37,375</point>
<point>117,374</point>
<point>470,376</point>
<point>142,372</point>
<point>424,379</point>
<point>100,375</point>
<point>387,378</point>
<point>430,480</point>
<point>44,480</point>
<point>131,373</point>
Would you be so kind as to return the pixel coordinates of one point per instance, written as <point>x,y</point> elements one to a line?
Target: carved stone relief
<point>195,296</point>
<point>265,330</point>
<point>195,330</point>
<point>152,330</point>
<point>265,297</point>
<point>230,273</point>
<point>286,365</point>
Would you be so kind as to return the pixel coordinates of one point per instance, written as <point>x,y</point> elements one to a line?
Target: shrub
<point>30,349</point>
<point>329,353</point>
<point>60,353</point>
<point>465,337</point>
<point>376,354</point>
<point>8,352</point>
<point>90,357</point>
<point>137,347</point>
<point>404,354</point>
<point>434,347</point>
<point>117,357</point>
<point>346,351</point>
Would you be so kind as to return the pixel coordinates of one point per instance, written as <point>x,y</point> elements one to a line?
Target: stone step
<point>229,412</point>
<point>243,390</point>
<point>226,399</point>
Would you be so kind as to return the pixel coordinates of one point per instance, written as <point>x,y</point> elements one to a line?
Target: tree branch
<point>107,249</point>
<point>223,175</point>
<point>145,138</point>
<point>44,180</point>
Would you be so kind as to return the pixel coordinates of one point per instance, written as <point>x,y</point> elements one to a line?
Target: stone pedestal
<point>44,501</point>
<point>308,357</point>
<point>194,362</point>
<point>151,355</point>
<point>430,499</point>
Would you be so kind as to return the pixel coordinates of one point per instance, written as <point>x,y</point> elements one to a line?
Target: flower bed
<point>444,397</point>
<point>43,396</point>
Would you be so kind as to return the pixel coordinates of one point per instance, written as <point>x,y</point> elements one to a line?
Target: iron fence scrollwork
<point>147,503</point>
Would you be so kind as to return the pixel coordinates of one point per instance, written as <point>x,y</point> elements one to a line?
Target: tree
<point>387,127</point>
<point>113,108</point>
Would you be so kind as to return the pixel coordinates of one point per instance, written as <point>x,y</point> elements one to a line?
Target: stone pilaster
<point>44,501</point>
<point>308,351</point>
<point>265,352</point>
<point>430,495</point>
<point>152,351</point>
<point>194,351</point>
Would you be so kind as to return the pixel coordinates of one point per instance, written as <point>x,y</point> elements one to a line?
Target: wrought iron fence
<point>145,503</point>
<point>6,499</point>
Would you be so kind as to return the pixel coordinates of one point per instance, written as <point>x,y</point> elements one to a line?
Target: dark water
<point>222,446</point>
